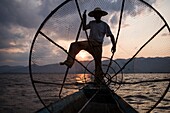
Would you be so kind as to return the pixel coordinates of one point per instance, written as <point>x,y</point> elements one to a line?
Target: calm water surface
<point>17,94</point>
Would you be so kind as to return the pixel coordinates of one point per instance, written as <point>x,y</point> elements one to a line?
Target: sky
<point>20,20</point>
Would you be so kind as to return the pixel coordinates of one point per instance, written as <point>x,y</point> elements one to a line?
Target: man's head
<point>97,13</point>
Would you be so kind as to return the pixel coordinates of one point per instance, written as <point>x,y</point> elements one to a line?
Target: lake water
<point>18,96</point>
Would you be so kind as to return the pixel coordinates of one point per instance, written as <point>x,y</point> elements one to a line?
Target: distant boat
<point>90,99</point>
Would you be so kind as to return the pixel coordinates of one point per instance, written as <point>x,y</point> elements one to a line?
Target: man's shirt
<point>98,30</point>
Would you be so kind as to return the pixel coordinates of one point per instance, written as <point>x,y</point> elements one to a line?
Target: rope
<point>31,51</point>
<point>110,80</point>
<point>65,76</point>
<point>161,98</point>
<point>107,72</point>
<point>120,21</point>
<point>88,102</point>
<point>93,50</point>
<point>138,51</point>
<point>64,51</point>
<point>67,70</point>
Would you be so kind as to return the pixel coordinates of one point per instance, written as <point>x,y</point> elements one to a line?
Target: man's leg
<point>96,52</point>
<point>74,49</point>
<point>98,65</point>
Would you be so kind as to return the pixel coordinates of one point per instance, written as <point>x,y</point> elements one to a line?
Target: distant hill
<point>138,65</point>
<point>13,69</point>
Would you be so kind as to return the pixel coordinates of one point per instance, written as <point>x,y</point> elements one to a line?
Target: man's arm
<point>113,44</point>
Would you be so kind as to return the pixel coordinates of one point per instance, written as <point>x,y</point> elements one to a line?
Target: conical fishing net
<point>138,71</point>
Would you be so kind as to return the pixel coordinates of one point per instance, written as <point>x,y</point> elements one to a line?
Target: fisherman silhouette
<point>98,30</point>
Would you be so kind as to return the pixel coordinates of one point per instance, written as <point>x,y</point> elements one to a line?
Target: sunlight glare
<point>83,56</point>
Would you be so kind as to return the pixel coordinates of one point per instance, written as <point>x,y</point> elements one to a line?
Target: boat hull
<point>90,99</point>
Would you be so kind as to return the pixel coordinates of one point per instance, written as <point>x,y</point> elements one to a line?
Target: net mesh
<point>139,24</point>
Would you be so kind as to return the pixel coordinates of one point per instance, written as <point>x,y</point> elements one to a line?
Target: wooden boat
<point>90,99</point>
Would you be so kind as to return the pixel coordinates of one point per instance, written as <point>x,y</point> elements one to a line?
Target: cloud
<point>165,34</point>
<point>14,59</point>
<point>18,19</point>
<point>16,13</point>
<point>21,18</point>
<point>65,22</point>
<point>22,13</point>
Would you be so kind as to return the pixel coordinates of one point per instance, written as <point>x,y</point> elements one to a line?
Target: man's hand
<point>84,20</point>
<point>113,50</point>
<point>84,14</point>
